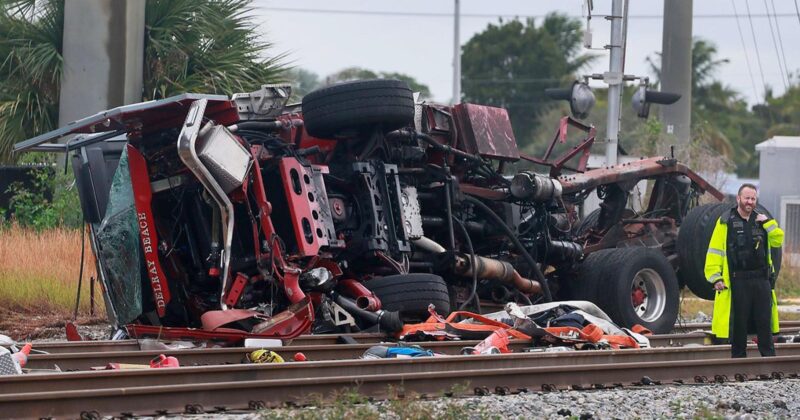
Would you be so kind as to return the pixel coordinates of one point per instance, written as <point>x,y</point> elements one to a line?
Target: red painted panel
<point>486,130</point>
<point>303,203</point>
<point>143,196</point>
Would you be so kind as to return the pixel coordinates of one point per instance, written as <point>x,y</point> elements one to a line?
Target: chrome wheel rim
<point>648,295</point>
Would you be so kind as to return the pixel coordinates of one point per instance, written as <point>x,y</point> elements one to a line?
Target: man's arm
<point>775,240</point>
<point>774,232</point>
<point>715,258</point>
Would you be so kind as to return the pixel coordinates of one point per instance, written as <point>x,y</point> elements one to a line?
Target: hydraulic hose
<point>527,256</point>
<point>474,263</point>
<point>387,320</point>
<point>447,149</point>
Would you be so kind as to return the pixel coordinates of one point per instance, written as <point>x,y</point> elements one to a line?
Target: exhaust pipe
<point>492,269</point>
<point>365,299</point>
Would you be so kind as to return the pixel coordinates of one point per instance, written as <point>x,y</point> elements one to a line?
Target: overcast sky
<point>416,36</point>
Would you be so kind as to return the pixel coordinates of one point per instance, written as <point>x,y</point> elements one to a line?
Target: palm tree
<point>208,46</point>
<point>30,73</point>
<point>709,96</point>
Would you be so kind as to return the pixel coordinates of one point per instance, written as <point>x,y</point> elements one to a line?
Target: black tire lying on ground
<point>693,238</point>
<point>638,286</point>
<point>383,103</point>
<point>410,294</point>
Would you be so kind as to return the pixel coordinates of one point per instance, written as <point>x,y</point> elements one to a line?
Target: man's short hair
<point>747,185</point>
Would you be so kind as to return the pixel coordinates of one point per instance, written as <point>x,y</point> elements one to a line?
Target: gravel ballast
<point>752,399</point>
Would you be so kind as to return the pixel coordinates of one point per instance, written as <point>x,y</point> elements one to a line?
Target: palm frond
<point>208,46</point>
<point>205,46</point>
<point>30,72</point>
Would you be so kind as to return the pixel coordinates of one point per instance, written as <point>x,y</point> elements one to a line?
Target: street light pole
<point>456,56</point>
<point>614,80</point>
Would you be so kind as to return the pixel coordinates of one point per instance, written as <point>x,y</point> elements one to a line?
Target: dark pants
<point>751,301</point>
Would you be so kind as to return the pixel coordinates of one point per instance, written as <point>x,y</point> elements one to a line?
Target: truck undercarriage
<point>220,218</point>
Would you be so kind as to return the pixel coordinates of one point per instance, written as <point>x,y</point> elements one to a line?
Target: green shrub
<point>49,201</point>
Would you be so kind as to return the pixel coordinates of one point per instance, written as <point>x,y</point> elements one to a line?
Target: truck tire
<point>587,222</point>
<point>693,238</point>
<point>639,287</point>
<point>591,219</point>
<point>383,103</point>
<point>589,277</point>
<point>410,294</point>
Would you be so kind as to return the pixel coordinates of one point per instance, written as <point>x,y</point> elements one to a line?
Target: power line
<point>514,80</point>
<point>755,45</point>
<point>480,15</point>
<point>775,44</point>
<point>744,48</point>
<point>797,9</point>
<point>780,41</point>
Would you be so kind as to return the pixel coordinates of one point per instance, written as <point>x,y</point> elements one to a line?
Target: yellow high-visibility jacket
<point>717,268</point>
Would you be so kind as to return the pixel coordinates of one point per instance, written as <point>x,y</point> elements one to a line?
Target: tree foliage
<point>30,69</point>
<point>303,81</point>
<point>721,117</point>
<point>208,46</point>
<point>510,64</point>
<point>781,114</point>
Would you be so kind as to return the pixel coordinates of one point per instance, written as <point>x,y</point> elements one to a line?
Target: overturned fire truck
<point>221,218</point>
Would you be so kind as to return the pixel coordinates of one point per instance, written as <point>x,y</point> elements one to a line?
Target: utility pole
<point>103,56</point>
<point>614,80</point>
<point>456,56</point>
<point>676,67</point>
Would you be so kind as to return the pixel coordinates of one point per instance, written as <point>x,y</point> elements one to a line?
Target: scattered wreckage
<point>223,218</point>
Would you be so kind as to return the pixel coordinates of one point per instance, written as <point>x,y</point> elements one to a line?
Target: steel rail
<point>84,346</point>
<point>229,355</point>
<point>707,325</point>
<point>657,340</point>
<point>687,334</point>
<point>227,373</point>
<point>691,336</point>
<point>163,399</point>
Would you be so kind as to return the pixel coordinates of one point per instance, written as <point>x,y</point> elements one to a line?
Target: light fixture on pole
<point>643,97</point>
<point>579,96</point>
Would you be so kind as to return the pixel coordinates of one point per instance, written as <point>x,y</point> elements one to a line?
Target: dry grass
<point>788,284</point>
<point>39,270</point>
<point>691,305</point>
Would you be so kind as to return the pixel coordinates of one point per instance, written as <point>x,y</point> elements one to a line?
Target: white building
<point>779,191</point>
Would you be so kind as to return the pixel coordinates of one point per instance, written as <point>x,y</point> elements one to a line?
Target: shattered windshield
<point>118,246</point>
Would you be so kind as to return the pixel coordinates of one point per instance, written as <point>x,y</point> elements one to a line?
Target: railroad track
<point>192,389</point>
<point>215,377</point>
<point>127,345</point>
<point>295,370</point>
<point>87,358</point>
<point>334,340</point>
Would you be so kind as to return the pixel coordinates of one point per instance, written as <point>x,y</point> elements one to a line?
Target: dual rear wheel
<point>632,285</point>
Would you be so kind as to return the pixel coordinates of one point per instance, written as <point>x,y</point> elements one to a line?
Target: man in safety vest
<point>739,265</point>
